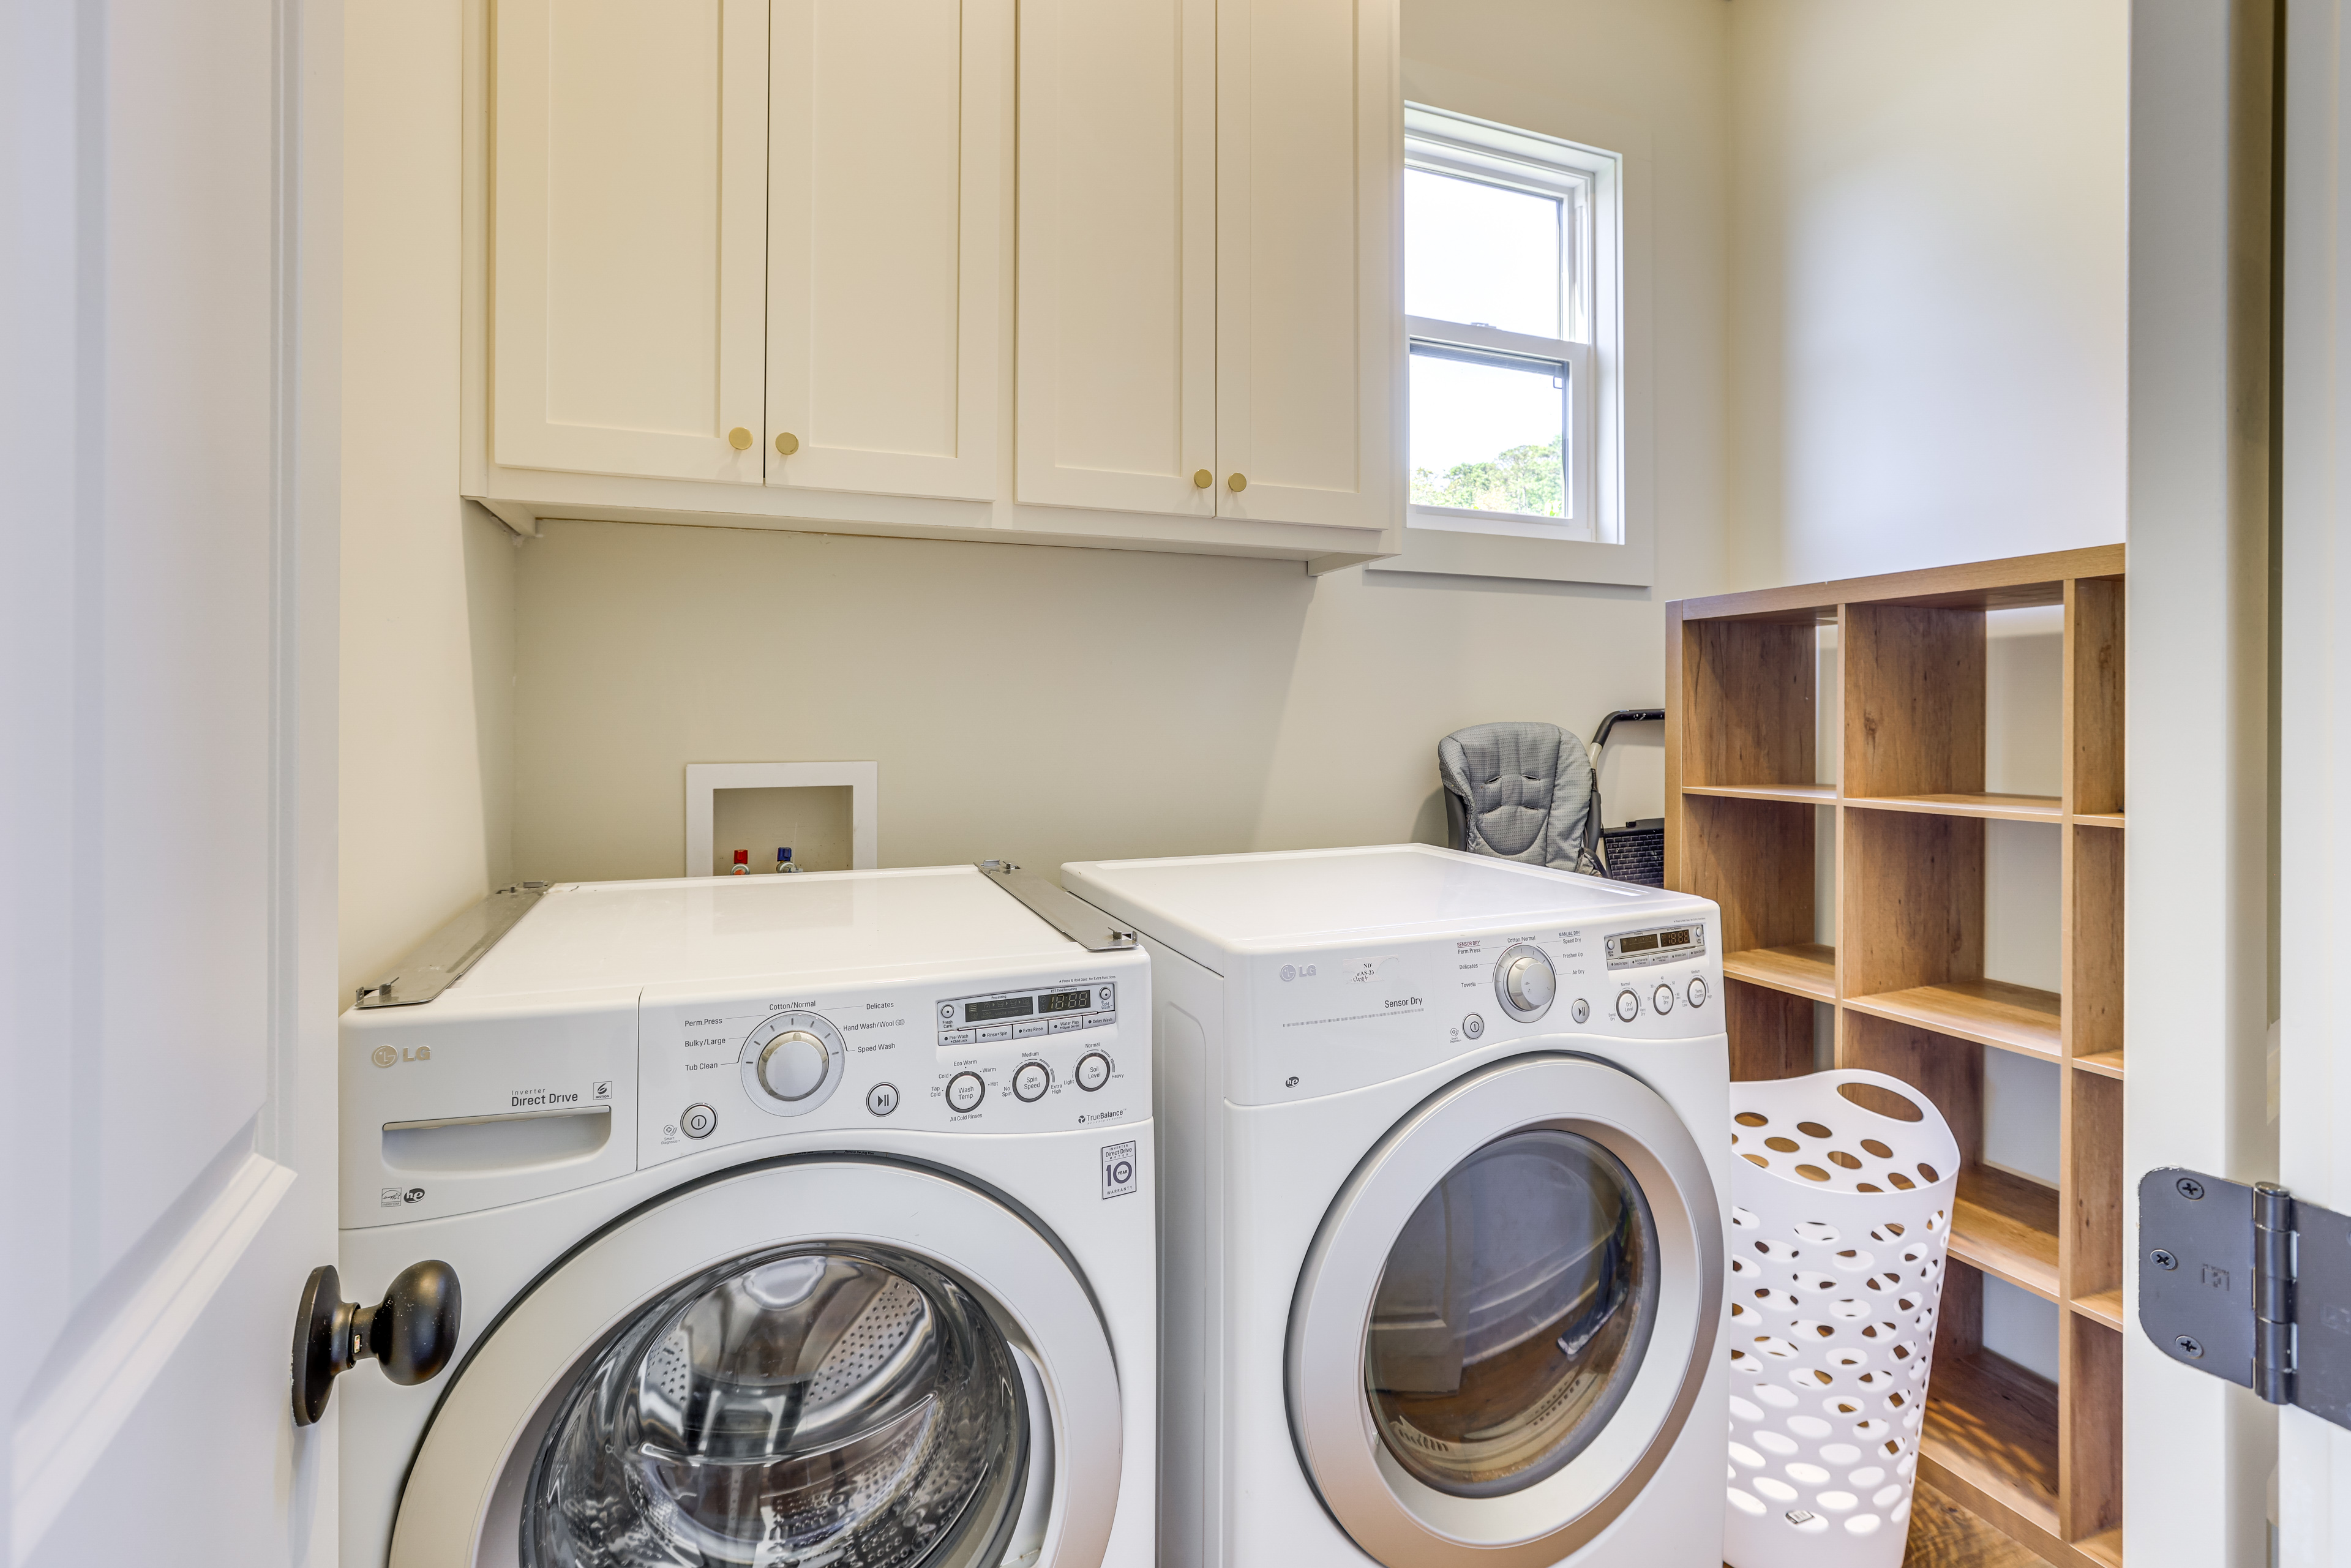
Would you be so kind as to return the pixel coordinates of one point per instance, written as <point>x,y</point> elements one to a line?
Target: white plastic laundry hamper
<point>1839,1220</point>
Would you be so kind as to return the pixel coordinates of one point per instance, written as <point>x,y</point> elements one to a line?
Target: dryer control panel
<point>1347,1016</point>
<point>1041,1053</point>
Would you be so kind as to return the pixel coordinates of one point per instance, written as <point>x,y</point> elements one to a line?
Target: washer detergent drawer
<point>457,1105</point>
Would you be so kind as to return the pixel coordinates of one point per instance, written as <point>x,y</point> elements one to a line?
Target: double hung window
<point>1510,312</point>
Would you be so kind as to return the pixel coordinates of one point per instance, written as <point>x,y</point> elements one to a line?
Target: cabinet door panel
<point>1117,254</point>
<point>1309,310</point>
<point>630,151</point>
<point>887,130</point>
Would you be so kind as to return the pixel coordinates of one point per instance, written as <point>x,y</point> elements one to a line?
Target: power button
<point>698,1122</point>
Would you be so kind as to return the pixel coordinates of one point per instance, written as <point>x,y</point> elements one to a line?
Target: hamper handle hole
<point>1881,1100</point>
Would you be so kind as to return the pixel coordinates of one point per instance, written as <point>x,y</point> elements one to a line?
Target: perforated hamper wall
<point>1839,1220</point>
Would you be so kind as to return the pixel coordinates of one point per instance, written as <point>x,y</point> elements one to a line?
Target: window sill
<point>1452,543</point>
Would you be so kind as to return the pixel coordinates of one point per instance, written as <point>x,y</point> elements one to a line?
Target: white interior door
<point>888,138</point>
<point>167,692</point>
<point>1309,306</point>
<point>2314,1482</point>
<point>1116,365</point>
<point>628,275</point>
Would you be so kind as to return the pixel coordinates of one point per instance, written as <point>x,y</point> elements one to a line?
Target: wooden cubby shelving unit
<point>1745,806</point>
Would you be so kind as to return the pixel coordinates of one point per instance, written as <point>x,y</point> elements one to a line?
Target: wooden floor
<point>1945,1535</point>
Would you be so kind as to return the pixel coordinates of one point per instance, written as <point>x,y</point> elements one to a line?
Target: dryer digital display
<point>1631,950</point>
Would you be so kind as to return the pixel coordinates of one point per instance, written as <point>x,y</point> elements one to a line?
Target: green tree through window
<point>1529,480</point>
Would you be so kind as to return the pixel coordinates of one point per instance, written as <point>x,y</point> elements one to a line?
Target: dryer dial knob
<point>1529,981</point>
<point>1628,1005</point>
<point>793,1066</point>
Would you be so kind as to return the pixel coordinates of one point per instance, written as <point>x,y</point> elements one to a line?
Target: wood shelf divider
<point>2006,808</point>
<point>2106,1307</point>
<point>2007,1227</point>
<point>1809,794</point>
<point>1989,1012</point>
<point>1801,968</point>
<point>1905,831</point>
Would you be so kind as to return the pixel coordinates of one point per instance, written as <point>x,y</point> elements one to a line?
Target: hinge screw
<point>2190,1187</point>
<point>2162,1259</point>
<point>2190,1348</point>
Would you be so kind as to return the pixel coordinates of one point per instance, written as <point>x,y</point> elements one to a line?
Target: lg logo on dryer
<point>387,1056</point>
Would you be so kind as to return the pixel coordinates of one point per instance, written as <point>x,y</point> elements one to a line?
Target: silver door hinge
<point>2249,1284</point>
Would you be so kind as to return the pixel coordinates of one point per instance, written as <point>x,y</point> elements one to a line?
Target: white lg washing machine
<point>797,1220</point>
<point>1442,1178</point>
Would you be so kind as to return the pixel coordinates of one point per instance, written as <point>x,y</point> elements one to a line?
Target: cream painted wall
<point>428,579</point>
<point>1051,705</point>
<point>1928,256</point>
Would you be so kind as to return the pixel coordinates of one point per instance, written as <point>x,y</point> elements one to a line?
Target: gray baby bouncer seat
<point>1527,791</point>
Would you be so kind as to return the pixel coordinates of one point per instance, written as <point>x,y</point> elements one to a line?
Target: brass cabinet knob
<point>788,443</point>
<point>1203,479</point>
<point>739,439</point>
<point>1236,484</point>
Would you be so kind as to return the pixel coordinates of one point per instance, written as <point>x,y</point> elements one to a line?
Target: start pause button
<point>1119,1175</point>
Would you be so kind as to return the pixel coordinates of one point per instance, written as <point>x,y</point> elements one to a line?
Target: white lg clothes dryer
<point>1444,1183</point>
<point>797,1220</point>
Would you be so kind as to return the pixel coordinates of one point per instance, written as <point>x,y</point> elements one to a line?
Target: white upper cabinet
<point>1093,272</point>
<point>1117,354</point>
<point>1208,278</point>
<point>884,185</point>
<point>1308,270</point>
<point>629,270</point>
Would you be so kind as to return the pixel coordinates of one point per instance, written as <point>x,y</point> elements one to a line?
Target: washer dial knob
<point>1628,1005</point>
<point>1093,1071</point>
<point>964,1091</point>
<point>793,1065</point>
<point>1524,982</point>
<point>1029,1084</point>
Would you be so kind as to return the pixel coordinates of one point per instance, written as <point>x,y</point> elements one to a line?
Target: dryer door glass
<point>843,1405</point>
<point>1512,1313</point>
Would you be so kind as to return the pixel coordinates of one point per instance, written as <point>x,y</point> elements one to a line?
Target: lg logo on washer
<point>385,1056</point>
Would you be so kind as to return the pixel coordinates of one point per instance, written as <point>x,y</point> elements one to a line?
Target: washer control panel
<point>1055,1046</point>
<point>1052,1052</point>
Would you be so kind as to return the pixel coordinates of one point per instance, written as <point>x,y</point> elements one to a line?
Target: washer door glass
<point>1512,1313</point>
<point>842,1405</point>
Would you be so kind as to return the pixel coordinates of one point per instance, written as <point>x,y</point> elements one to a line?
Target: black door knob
<point>411,1333</point>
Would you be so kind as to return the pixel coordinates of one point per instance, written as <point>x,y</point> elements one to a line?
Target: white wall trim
<point>705,779</point>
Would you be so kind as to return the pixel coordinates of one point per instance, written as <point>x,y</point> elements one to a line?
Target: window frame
<point>1595,285</point>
